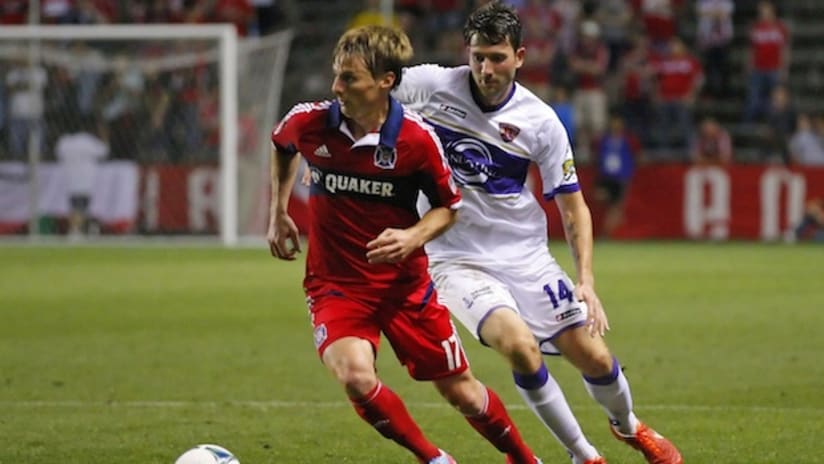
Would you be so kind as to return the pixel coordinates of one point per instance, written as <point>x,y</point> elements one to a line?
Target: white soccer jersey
<point>490,151</point>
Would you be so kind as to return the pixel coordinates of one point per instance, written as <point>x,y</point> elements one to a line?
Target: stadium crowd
<point>106,82</point>
<point>657,65</point>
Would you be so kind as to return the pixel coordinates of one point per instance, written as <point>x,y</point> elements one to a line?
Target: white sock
<point>613,394</point>
<point>544,396</point>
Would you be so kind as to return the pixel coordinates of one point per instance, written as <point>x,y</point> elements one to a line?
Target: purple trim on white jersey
<point>483,319</point>
<point>564,329</point>
<point>476,96</point>
<point>568,188</point>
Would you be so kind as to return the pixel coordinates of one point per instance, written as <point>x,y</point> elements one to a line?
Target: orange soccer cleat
<point>598,460</point>
<point>656,448</point>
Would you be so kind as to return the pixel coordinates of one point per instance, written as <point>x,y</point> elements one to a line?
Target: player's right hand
<point>282,236</point>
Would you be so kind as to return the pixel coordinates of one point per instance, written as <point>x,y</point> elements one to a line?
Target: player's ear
<point>387,80</point>
<point>519,56</point>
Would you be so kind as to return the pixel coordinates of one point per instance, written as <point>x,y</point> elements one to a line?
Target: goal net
<point>183,112</point>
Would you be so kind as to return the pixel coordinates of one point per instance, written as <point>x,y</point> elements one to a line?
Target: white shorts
<point>543,297</point>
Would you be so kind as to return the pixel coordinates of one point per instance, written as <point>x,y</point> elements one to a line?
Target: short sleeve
<point>284,135</point>
<point>555,161</point>
<point>417,85</point>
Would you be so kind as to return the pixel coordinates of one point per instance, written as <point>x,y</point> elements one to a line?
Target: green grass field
<point>131,355</point>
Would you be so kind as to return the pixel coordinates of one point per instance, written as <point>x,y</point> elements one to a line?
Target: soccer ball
<point>207,454</point>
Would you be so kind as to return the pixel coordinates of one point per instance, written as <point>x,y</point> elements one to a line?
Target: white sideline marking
<point>277,404</point>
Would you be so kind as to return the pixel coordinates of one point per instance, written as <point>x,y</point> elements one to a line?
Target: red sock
<point>385,411</point>
<point>497,427</point>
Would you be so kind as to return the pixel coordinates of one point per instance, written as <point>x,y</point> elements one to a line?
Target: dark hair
<point>494,23</point>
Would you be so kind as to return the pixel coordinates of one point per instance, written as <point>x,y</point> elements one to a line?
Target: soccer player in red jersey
<point>366,271</point>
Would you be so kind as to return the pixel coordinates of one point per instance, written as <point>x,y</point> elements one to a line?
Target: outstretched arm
<point>578,231</point>
<point>282,229</point>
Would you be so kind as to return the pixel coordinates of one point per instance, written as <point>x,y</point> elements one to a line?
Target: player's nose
<point>337,86</point>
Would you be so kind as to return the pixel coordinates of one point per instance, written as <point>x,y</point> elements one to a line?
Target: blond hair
<point>383,49</point>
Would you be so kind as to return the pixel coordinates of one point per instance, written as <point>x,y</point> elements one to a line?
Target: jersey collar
<point>476,96</point>
<point>390,129</point>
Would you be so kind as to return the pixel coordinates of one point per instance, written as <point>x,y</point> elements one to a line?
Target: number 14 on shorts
<point>563,293</point>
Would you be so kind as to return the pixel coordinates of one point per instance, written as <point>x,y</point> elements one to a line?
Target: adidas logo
<point>322,152</point>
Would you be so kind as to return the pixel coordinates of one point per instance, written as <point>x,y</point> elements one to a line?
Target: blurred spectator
<point>565,110</point>
<point>679,79</point>
<point>25,85</point>
<point>811,226</point>
<point>617,154</point>
<point>370,14</point>
<point>184,129</point>
<point>712,144</point>
<point>3,105</point>
<point>540,23</point>
<point>157,134</point>
<point>87,12</point>
<point>14,11</point>
<point>588,63</point>
<point>635,75</point>
<point>238,12</point>
<point>569,11</point>
<point>160,11</point>
<point>123,95</point>
<point>769,59</point>
<point>659,18</point>
<point>443,15</point>
<point>60,98</point>
<point>781,119</point>
<point>411,15</point>
<point>450,49</point>
<point>79,150</point>
<point>616,20</point>
<point>714,35</point>
<point>88,76</point>
<point>806,145</point>
<point>269,16</point>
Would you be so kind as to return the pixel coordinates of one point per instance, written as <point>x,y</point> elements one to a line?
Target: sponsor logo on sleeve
<point>569,169</point>
<point>453,111</point>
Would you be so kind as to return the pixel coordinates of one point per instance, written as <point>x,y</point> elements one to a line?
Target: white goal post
<point>245,69</point>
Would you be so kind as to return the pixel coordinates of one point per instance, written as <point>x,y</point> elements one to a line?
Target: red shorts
<point>418,328</point>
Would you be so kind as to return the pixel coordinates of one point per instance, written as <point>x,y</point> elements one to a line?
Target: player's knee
<point>521,351</point>
<point>599,363</point>
<point>356,378</point>
<point>465,395</point>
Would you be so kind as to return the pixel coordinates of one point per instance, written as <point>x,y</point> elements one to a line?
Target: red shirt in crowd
<point>659,18</point>
<point>594,52</point>
<point>768,40</point>
<point>677,76</point>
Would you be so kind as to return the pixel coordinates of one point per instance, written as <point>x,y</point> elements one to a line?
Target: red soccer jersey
<point>677,76</point>
<point>361,187</point>
<point>768,40</point>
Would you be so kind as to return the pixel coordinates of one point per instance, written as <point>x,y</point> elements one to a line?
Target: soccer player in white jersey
<point>493,267</point>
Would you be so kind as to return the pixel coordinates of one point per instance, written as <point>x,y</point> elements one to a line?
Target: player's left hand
<point>597,321</point>
<point>391,246</point>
